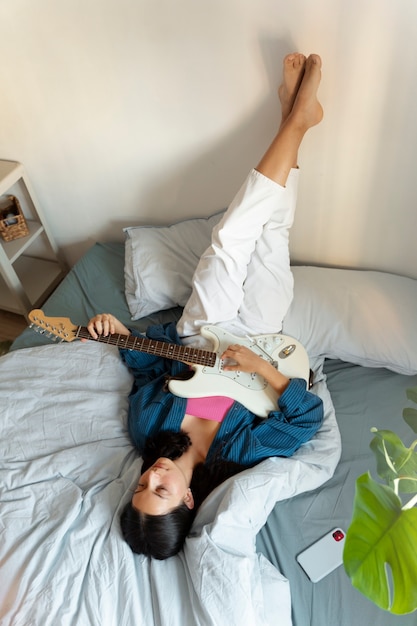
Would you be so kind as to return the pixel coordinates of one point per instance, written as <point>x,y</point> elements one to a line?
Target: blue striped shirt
<point>242,437</point>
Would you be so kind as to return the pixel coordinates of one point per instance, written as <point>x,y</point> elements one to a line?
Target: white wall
<point>138,111</point>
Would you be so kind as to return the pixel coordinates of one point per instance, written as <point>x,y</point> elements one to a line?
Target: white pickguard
<point>251,390</point>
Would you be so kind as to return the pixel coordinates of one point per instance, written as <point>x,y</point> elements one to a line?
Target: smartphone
<point>323,556</point>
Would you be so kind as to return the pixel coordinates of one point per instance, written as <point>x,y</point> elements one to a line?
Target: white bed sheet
<point>67,468</point>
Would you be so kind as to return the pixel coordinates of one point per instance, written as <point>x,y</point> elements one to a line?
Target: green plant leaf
<point>382,534</point>
<point>412,394</point>
<point>410,416</point>
<point>394,460</point>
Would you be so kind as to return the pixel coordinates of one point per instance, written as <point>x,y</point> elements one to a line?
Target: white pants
<point>243,281</point>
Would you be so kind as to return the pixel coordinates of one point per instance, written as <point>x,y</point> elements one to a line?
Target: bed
<point>68,467</point>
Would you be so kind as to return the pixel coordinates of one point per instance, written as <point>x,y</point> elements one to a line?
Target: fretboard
<point>172,351</point>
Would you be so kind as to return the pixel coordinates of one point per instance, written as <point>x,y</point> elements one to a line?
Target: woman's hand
<point>106,324</point>
<point>247,361</point>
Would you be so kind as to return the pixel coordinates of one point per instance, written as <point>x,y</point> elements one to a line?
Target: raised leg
<point>256,224</point>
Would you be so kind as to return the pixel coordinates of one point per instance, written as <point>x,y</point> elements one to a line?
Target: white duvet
<point>66,469</point>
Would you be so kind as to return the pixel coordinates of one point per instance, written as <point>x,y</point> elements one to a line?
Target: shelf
<point>31,266</point>
<point>39,278</point>
<point>15,248</point>
<point>10,172</point>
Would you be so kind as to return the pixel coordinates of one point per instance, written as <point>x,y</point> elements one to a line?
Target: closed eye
<point>159,491</point>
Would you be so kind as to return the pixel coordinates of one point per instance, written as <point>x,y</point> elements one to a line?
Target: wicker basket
<point>12,221</point>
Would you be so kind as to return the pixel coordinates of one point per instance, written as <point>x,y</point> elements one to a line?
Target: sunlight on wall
<point>363,218</point>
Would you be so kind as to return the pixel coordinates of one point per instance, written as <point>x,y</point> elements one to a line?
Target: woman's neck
<point>188,460</point>
<point>202,433</point>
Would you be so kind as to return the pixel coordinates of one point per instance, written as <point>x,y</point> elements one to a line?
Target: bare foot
<point>293,73</point>
<point>307,110</point>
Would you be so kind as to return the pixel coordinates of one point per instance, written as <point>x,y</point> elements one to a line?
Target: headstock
<point>55,327</point>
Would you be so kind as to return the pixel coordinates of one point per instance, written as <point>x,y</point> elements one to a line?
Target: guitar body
<point>251,390</point>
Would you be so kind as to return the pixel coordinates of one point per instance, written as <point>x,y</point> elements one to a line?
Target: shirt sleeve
<point>149,367</point>
<point>299,417</point>
<point>296,420</point>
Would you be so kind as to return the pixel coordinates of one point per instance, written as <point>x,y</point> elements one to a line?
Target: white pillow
<point>364,317</point>
<point>160,263</point>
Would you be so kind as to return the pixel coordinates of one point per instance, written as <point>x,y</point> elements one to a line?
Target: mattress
<point>206,593</point>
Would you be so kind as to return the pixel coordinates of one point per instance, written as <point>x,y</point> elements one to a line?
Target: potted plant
<point>380,554</point>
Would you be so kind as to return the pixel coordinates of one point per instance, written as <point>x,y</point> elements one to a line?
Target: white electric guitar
<point>209,379</point>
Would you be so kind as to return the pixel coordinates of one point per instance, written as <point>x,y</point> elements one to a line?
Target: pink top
<point>209,408</point>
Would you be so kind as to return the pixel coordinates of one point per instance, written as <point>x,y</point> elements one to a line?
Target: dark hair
<point>159,536</point>
<point>162,536</point>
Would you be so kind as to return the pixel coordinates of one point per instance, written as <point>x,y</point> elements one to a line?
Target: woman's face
<point>162,488</point>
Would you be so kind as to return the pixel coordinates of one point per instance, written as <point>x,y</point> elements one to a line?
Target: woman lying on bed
<point>244,284</point>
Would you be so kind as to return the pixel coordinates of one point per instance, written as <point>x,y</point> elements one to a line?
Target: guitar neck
<point>172,351</point>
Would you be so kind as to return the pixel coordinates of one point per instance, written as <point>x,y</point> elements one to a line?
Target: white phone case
<point>323,556</point>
